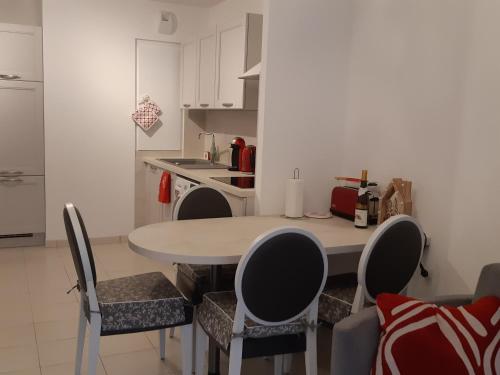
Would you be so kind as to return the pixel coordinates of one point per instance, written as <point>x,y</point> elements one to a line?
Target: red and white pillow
<point>422,338</point>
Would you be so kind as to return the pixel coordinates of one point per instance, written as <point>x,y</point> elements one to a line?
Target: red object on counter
<point>164,191</point>
<point>248,159</point>
<point>344,202</point>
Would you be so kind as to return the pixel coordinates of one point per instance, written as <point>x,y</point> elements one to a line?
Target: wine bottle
<point>361,212</point>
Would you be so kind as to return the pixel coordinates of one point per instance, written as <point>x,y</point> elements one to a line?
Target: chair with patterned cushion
<point>273,310</point>
<point>137,303</point>
<point>387,264</point>
<point>335,303</point>
<point>201,202</point>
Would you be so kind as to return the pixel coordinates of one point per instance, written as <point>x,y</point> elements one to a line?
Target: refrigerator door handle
<point>11,173</point>
<point>9,76</point>
<point>11,180</point>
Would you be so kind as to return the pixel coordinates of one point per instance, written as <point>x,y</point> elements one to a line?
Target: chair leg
<point>95,335</point>
<point>359,300</point>
<point>201,349</point>
<point>187,349</point>
<point>162,344</point>
<point>331,358</point>
<point>287,363</point>
<point>171,332</point>
<point>235,356</point>
<point>194,338</point>
<point>82,324</point>
<point>311,353</point>
<point>278,365</point>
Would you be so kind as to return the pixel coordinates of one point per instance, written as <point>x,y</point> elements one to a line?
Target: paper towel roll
<point>294,203</point>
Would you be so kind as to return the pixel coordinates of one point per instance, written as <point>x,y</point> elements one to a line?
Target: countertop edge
<point>202,175</point>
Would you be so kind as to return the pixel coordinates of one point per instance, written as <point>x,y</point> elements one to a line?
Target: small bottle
<point>361,212</point>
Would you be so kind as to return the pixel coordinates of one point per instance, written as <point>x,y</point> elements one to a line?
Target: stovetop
<point>239,182</point>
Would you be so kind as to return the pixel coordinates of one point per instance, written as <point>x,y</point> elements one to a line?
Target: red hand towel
<point>164,193</point>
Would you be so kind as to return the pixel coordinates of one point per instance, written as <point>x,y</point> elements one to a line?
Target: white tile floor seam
<point>34,282</point>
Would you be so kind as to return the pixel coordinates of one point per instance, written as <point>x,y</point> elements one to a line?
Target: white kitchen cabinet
<point>22,138</point>
<point>206,71</point>
<point>238,49</point>
<point>212,64</point>
<point>230,65</point>
<point>240,206</point>
<point>22,205</point>
<point>21,52</point>
<point>189,75</point>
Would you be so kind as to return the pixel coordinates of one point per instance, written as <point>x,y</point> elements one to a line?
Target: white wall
<point>420,106</point>
<point>421,102</point>
<point>229,9</point>
<point>302,101</point>
<point>89,60</point>
<point>25,12</point>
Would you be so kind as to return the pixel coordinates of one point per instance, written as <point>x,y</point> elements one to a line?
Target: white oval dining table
<point>224,240</point>
<point>220,241</point>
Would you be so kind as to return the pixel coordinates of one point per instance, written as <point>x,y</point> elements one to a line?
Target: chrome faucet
<point>213,149</point>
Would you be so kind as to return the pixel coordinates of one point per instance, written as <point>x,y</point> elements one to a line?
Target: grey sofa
<point>355,339</point>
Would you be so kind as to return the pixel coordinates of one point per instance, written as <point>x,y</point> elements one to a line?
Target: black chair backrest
<point>202,202</point>
<point>396,250</point>
<point>75,230</point>
<point>281,275</point>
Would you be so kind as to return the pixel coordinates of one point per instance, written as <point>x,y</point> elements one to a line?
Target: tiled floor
<point>38,319</point>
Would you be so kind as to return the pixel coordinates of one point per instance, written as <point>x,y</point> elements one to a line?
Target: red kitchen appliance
<point>237,146</point>
<point>343,201</point>
<point>248,159</point>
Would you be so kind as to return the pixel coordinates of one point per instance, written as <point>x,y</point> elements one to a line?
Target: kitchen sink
<point>194,163</point>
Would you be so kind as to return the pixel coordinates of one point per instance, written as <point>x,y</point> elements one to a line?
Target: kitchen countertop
<point>203,176</point>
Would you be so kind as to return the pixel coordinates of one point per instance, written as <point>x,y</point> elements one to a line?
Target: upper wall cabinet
<point>223,56</point>
<point>230,65</point>
<point>206,71</point>
<point>24,60</point>
<point>189,75</point>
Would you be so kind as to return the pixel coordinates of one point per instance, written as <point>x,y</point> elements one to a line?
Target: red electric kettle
<point>248,159</point>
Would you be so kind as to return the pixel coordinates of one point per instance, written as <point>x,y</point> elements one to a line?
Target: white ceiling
<point>199,3</point>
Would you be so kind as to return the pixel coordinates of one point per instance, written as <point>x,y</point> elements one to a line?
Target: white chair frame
<point>178,202</point>
<point>242,312</point>
<point>362,294</point>
<point>175,216</point>
<point>95,315</point>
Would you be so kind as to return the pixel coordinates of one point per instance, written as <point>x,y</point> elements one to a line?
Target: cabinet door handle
<point>11,180</point>
<point>11,173</point>
<point>227,105</point>
<point>187,105</point>
<point>204,105</point>
<point>9,76</point>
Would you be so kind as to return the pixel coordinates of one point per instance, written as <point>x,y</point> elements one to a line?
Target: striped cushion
<point>422,338</point>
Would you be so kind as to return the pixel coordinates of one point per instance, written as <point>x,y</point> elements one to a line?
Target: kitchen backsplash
<point>229,124</point>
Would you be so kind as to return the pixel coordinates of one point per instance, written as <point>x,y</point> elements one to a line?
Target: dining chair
<point>273,310</point>
<point>130,304</point>
<point>201,202</point>
<point>388,262</point>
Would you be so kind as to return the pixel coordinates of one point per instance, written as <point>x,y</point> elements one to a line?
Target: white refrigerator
<point>22,182</point>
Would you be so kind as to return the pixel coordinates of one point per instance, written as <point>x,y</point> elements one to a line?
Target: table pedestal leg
<point>213,351</point>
